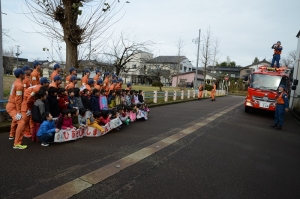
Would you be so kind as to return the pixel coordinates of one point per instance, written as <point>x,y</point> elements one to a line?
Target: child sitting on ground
<point>123,115</point>
<point>65,121</point>
<point>82,118</point>
<point>105,117</point>
<point>92,121</point>
<point>47,130</point>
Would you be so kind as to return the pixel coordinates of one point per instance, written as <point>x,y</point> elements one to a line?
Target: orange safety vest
<point>280,99</point>
<point>278,52</point>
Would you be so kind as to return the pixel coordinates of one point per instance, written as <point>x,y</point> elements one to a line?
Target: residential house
<point>136,69</point>
<point>11,63</point>
<point>250,68</point>
<point>165,67</point>
<point>187,78</point>
<point>231,72</point>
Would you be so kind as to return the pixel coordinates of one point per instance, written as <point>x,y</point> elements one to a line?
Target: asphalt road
<point>231,154</point>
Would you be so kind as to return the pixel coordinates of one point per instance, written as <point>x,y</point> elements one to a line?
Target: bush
<point>208,87</point>
<point>157,84</point>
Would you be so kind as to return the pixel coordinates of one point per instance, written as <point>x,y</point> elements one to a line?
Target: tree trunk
<point>71,56</point>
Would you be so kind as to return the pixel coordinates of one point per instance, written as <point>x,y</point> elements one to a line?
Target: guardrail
<point>177,95</point>
<point>3,109</point>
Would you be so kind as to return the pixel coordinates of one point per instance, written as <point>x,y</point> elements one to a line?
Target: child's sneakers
<point>44,144</point>
<point>19,146</point>
<point>11,138</point>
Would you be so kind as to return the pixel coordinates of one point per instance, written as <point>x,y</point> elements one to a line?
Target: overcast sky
<point>245,29</point>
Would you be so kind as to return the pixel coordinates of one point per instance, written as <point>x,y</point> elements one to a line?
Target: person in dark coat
<point>85,98</point>
<point>53,102</point>
<point>94,101</point>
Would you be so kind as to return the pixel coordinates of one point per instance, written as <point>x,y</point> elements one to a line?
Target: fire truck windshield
<point>268,82</point>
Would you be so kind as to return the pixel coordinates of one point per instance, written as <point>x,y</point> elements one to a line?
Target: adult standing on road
<point>282,105</point>
<point>213,92</point>
<point>13,108</point>
<point>276,56</point>
<point>200,93</point>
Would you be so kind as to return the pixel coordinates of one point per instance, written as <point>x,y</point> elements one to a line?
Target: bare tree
<point>8,60</point>
<point>216,51</point>
<point>180,44</point>
<point>123,51</point>
<point>158,71</point>
<point>290,60</point>
<point>206,51</point>
<point>74,22</point>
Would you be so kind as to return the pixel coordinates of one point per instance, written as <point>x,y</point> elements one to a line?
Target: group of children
<point>94,103</point>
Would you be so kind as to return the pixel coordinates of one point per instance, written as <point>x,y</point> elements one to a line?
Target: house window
<point>134,66</point>
<point>248,71</point>
<point>184,69</point>
<point>232,75</point>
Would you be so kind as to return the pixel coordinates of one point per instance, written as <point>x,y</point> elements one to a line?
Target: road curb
<point>5,128</point>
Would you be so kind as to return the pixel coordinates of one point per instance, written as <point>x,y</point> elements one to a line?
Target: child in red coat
<point>63,100</point>
<point>65,121</point>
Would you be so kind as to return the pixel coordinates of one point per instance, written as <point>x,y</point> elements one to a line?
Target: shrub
<point>208,87</point>
<point>157,84</point>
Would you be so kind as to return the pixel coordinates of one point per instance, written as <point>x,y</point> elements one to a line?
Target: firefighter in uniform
<point>26,81</point>
<point>35,74</point>
<point>276,56</point>
<point>13,108</point>
<point>56,82</point>
<point>73,83</point>
<point>72,71</point>
<point>213,92</point>
<point>200,88</point>
<point>85,78</point>
<point>282,105</point>
<point>55,72</point>
<point>97,77</point>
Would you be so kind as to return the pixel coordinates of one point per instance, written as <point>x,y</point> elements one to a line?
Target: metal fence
<point>155,96</point>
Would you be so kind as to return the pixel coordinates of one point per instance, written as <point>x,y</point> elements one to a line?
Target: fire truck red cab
<point>263,85</point>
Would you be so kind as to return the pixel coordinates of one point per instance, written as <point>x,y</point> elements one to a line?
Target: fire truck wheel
<point>247,109</point>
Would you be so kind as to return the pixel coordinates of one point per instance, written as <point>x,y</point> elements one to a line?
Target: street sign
<point>226,78</point>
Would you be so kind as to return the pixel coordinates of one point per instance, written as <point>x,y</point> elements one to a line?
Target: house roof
<point>262,61</point>
<point>167,59</point>
<point>218,68</point>
<point>298,35</point>
<point>199,72</point>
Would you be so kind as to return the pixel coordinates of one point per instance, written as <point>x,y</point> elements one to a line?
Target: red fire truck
<point>263,87</point>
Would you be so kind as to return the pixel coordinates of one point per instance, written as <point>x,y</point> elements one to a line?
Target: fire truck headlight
<point>249,104</point>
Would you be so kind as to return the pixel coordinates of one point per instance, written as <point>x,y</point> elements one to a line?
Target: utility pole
<point>1,67</point>
<point>17,54</point>
<point>196,76</point>
<point>90,50</point>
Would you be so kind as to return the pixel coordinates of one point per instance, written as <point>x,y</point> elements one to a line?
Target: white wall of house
<point>137,65</point>
<point>295,95</point>
<point>186,66</point>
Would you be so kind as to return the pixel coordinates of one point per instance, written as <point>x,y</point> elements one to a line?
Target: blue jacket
<point>46,127</point>
<point>94,102</point>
